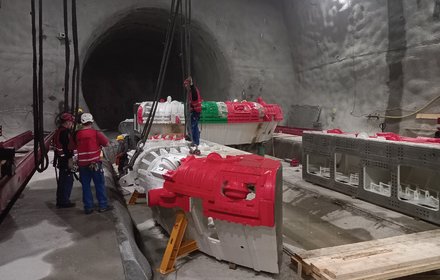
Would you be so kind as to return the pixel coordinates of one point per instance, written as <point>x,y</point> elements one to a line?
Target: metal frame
<point>375,154</point>
<point>12,186</point>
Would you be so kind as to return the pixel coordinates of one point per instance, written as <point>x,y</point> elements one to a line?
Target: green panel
<point>212,114</point>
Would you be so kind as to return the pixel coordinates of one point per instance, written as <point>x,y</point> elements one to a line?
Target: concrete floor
<point>48,243</point>
<point>43,242</point>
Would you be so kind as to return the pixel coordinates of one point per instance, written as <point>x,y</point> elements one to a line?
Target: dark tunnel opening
<point>122,65</point>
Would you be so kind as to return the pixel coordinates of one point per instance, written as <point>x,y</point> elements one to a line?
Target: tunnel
<point>122,65</point>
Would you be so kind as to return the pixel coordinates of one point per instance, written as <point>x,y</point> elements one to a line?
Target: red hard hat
<point>67,117</point>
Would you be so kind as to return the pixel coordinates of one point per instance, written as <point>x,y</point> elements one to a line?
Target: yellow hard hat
<point>120,137</point>
<point>80,110</point>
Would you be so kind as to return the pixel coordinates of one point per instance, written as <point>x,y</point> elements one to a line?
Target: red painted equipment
<point>239,189</point>
<point>242,112</point>
<point>396,137</point>
<point>335,131</point>
<point>272,112</point>
<point>233,203</point>
<point>294,162</point>
<point>12,183</point>
<point>392,137</point>
<point>292,130</point>
<point>246,112</point>
<point>17,141</point>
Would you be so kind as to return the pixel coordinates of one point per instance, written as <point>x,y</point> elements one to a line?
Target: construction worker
<point>195,102</point>
<point>121,155</point>
<point>63,160</point>
<point>89,142</point>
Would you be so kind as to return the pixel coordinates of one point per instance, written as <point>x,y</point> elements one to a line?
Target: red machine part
<point>245,111</point>
<point>272,112</point>
<point>140,112</point>
<point>242,112</point>
<point>164,198</point>
<point>294,162</point>
<point>239,189</point>
<point>18,141</point>
<point>292,130</point>
<point>394,137</point>
<point>11,186</point>
<point>335,131</point>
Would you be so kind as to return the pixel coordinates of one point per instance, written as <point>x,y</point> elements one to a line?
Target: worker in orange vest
<point>88,144</point>
<point>195,102</point>
<point>63,160</point>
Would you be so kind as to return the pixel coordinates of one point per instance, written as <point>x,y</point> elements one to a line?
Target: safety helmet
<point>120,137</point>
<point>86,118</point>
<point>80,111</point>
<point>67,117</point>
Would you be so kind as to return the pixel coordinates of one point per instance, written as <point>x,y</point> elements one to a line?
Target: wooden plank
<point>428,116</point>
<point>301,266</point>
<point>349,273</point>
<point>400,272</point>
<point>398,250</point>
<point>355,247</point>
<point>388,258</point>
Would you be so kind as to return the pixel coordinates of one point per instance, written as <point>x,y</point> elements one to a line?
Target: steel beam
<point>12,186</point>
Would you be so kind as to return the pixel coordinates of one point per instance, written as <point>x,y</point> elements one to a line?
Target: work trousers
<point>86,175</point>
<point>64,187</point>
<point>195,116</point>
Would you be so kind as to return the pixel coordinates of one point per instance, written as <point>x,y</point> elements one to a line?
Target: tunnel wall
<point>352,58</point>
<point>250,36</point>
<point>356,58</point>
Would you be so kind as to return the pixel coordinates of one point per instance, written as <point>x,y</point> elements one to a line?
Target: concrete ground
<point>43,242</point>
<point>39,241</point>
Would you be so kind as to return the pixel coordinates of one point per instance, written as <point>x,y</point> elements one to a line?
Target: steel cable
<point>174,11</point>
<point>67,57</point>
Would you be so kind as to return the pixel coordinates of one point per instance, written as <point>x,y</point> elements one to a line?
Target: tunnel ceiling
<point>122,66</point>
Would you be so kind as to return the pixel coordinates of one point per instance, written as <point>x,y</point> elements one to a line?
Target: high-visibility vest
<point>196,105</point>
<point>88,146</point>
<point>57,146</point>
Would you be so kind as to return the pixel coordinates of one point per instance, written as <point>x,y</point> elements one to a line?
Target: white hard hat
<point>86,118</point>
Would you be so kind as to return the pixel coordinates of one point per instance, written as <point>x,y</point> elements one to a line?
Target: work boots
<point>194,150</point>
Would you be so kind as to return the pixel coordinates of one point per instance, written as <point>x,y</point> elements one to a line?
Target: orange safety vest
<point>88,145</point>
<point>196,105</point>
<point>57,146</point>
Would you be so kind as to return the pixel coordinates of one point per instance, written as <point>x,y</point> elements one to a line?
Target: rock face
<point>350,58</point>
<point>360,58</point>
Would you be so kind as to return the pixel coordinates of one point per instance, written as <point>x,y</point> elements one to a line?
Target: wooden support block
<point>301,266</point>
<point>135,196</point>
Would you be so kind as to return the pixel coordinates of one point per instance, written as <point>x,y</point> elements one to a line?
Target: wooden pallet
<point>377,259</point>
